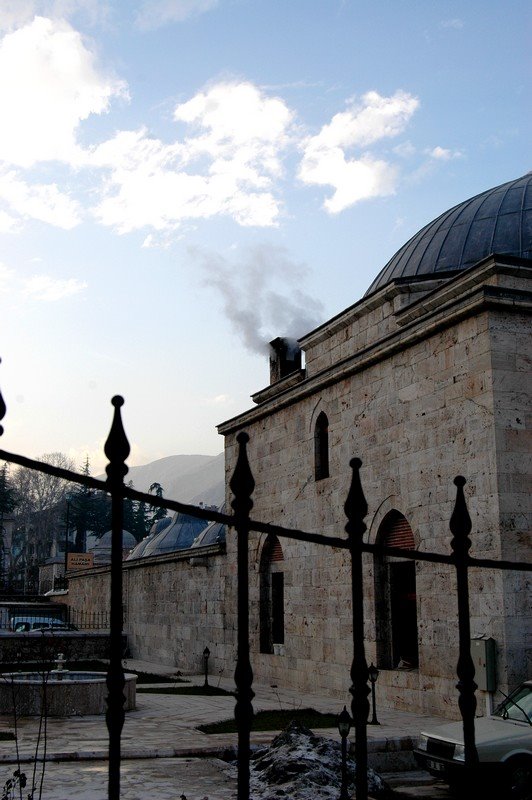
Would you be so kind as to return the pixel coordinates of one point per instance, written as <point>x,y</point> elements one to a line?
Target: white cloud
<point>217,400</point>
<point>49,82</point>
<point>443,154</point>
<point>155,13</point>
<point>455,23</point>
<point>48,289</point>
<point>16,13</point>
<point>225,167</point>
<point>40,201</point>
<point>6,277</point>
<point>405,150</point>
<point>8,224</point>
<point>363,124</point>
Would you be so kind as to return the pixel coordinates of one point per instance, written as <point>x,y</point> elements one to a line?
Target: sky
<point>182,181</point>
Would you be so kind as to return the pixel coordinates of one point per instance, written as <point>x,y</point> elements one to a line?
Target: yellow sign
<point>80,560</point>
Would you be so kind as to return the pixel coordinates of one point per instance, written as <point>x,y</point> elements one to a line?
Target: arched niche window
<point>321,447</point>
<point>271,595</point>
<point>395,597</point>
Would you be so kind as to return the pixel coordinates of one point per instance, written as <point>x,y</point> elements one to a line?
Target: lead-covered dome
<point>498,221</point>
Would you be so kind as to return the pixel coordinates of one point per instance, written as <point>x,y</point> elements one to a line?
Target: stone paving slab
<point>164,727</point>
<point>152,779</point>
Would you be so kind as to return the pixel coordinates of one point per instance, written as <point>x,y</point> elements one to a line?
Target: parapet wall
<point>174,607</point>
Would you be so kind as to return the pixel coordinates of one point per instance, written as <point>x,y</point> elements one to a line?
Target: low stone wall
<point>175,605</point>
<point>37,646</point>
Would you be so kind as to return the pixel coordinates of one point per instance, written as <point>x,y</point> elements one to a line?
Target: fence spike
<point>3,409</point>
<point>356,509</point>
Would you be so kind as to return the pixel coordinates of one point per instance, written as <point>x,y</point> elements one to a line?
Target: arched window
<point>321,447</point>
<point>271,595</point>
<point>395,597</point>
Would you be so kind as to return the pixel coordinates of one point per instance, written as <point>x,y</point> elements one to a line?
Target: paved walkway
<point>160,741</point>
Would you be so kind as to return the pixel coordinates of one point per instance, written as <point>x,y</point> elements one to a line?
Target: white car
<point>25,624</point>
<point>504,746</point>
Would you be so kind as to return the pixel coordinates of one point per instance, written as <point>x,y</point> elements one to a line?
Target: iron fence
<point>242,486</point>
<point>88,620</point>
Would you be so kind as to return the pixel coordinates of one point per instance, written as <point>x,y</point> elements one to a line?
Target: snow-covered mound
<point>301,766</point>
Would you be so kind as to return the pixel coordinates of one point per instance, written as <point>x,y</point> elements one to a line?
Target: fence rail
<point>242,485</point>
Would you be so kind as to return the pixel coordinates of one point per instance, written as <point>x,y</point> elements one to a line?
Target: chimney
<point>285,358</point>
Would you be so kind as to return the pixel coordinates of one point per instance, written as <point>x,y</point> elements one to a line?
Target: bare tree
<point>41,502</point>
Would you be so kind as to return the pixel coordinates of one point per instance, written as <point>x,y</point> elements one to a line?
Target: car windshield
<point>518,706</point>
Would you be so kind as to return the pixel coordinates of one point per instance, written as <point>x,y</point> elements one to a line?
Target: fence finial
<point>3,409</point>
<point>460,522</point>
<point>355,506</point>
<point>242,483</point>
<point>117,446</point>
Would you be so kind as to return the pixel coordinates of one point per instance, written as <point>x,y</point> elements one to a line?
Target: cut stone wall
<point>437,390</point>
<point>423,407</point>
<point>174,607</point>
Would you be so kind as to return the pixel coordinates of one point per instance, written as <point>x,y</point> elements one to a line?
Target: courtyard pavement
<point>165,756</point>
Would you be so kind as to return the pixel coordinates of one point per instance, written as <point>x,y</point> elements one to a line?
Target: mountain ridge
<point>187,478</point>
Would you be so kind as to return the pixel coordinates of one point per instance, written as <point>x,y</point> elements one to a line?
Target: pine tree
<point>87,510</point>
<point>156,513</point>
<point>140,522</point>
<point>8,495</point>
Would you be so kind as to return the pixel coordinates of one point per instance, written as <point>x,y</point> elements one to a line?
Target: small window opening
<point>395,598</point>
<point>271,603</point>
<point>321,447</point>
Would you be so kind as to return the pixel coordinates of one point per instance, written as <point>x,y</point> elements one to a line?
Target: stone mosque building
<point>424,378</point>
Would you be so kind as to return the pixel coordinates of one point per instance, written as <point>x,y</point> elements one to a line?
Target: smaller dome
<point>159,525</point>
<point>103,547</point>
<point>214,533</point>
<point>105,541</point>
<point>138,551</point>
<point>177,536</point>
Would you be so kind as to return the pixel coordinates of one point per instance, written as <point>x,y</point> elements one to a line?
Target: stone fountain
<point>59,692</point>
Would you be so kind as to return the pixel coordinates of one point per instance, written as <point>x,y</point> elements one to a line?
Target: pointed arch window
<point>321,447</point>
<point>395,597</point>
<point>271,595</point>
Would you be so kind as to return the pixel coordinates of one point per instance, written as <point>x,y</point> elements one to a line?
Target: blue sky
<point>183,180</point>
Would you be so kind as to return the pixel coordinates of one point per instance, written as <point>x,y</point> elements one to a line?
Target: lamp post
<point>344,726</point>
<point>206,654</point>
<point>373,674</point>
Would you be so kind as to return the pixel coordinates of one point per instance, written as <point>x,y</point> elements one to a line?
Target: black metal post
<point>344,725</point>
<point>206,654</point>
<point>460,525</point>
<point>242,485</point>
<point>117,450</point>
<point>373,675</point>
<point>356,509</point>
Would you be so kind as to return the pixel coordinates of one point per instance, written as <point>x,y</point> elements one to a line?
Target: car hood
<point>487,730</point>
